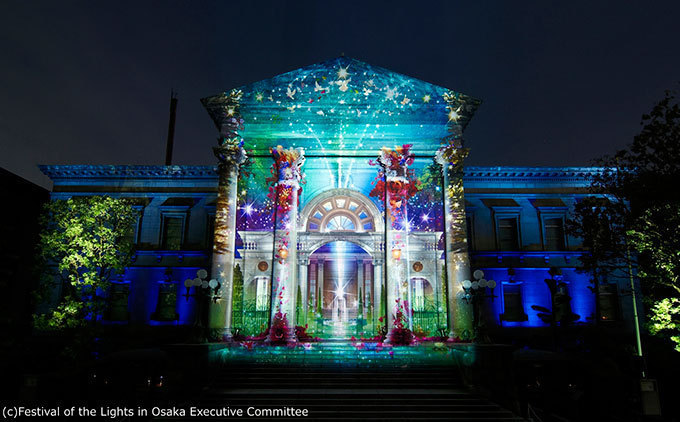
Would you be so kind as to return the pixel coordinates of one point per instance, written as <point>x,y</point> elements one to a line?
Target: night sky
<point>561,82</point>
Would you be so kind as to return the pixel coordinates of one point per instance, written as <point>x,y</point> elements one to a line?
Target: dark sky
<point>561,82</point>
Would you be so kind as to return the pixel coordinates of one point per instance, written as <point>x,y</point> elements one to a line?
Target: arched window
<point>340,213</point>
<point>340,223</point>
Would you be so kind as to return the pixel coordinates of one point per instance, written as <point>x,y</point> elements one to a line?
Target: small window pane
<point>512,301</point>
<point>340,222</point>
<point>508,238</point>
<point>172,233</point>
<point>554,234</point>
<point>262,298</point>
<point>609,302</point>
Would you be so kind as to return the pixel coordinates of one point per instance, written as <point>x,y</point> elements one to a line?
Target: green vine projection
<point>237,292</point>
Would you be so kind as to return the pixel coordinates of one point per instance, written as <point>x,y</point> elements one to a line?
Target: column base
<point>220,334</point>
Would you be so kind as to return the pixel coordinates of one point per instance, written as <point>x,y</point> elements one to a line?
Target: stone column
<point>312,285</point>
<point>395,173</point>
<point>361,287</point>
<point>367,286</point>
<point>288,164</point>
<point>460,314</point>
<point>303,265</point>
<point>231,155</point>
<point>378,282</point>
<point>319,284</point>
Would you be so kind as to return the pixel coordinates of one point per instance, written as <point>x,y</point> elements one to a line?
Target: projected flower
<point>401,185</point>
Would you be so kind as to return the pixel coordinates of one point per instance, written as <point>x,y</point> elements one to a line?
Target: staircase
<point>338,381</point>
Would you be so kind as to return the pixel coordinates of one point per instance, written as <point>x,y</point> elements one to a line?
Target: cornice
<point>530,174</point>
<point>472,174</point>
<point>127,171</point>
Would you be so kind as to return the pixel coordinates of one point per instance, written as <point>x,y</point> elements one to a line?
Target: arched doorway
<point>341,291</point>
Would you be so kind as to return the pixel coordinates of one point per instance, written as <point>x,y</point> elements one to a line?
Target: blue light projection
<point>345,107</point>
<point>535,292</point>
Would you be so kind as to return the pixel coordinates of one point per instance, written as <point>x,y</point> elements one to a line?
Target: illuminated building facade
<point>341,197</point>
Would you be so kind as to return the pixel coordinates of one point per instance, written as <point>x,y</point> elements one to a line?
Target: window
<point>174,217</point>
<point>506,214</point>
<point>262,298</point>
<point>133,234</point>
<point>342,212</point>
<point>508,236</point>
<point>173,232</point>
<point>513,306</point>
<point>551,214</point>
<point>419,296</point>
<point>340,223</point>
<point>609,302</point>
<point>553,230</point>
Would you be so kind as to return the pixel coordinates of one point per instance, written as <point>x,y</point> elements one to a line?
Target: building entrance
<point>341,297</point>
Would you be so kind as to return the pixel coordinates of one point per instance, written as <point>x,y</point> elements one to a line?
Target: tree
<point>85,242</point>
<point>634,207</point>
<point>654,235</point>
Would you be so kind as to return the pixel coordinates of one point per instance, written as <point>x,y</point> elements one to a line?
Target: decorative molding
<point>527,174</point>
<point>127,171</point>
<point>472,174</point>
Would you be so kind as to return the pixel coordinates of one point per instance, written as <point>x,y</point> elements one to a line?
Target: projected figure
<point>339,308</point>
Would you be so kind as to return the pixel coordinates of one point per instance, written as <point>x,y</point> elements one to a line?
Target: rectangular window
<point>609,302</point>
<point>508,237</point>
<point>554,234</point>
<point>419,299</point>
<point>133,234</point>
<point>262,299</point>
<point>512,302</point>
<point>173,228</point>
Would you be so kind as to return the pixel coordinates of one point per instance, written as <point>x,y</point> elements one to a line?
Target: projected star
<point>342,72</point>
<point>453,115</point>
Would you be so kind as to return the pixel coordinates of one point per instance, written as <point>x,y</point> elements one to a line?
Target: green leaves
<point>638,206</point>
<point>665,319</point>
<point>85,241</point>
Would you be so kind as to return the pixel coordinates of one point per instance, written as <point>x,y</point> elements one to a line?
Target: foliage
<point>636,208</point>
<point>654,234</point>
<point>278,332</point>
<point>237,298</point>
<point>85,242</point>
<point>665,319</point>
<point>400,335</point>
<point>302,335</point>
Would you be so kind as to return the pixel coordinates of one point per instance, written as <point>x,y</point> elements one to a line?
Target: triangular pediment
<point>345,107</point>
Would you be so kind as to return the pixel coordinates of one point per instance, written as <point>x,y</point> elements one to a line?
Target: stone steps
<point>337,381</point>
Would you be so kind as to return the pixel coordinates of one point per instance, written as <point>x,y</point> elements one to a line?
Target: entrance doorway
<point>341,292</point>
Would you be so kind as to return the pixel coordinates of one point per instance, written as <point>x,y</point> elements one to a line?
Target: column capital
<point>395,163</point>
<point>289,164</point>
<point>230,152</point>
<point>450,156</point>
<point>378,261</point>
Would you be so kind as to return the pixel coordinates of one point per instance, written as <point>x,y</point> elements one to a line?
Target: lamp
<point>396,254</point>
